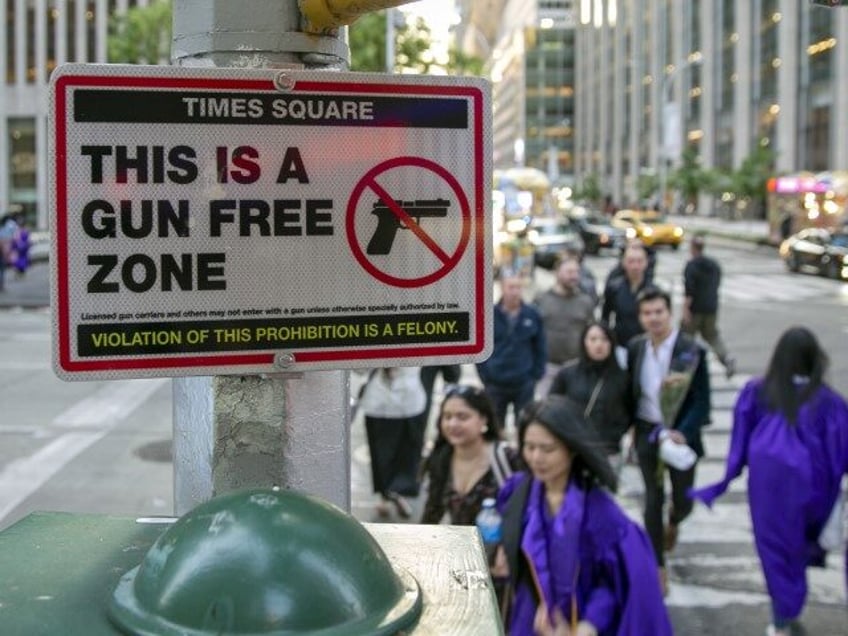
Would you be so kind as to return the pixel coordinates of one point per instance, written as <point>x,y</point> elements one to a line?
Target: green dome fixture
<point>266,562</point>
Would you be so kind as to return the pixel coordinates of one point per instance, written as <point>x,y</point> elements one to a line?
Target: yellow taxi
<point>652,228</point>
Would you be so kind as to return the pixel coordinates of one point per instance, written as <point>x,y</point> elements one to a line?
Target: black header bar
<point>268,109</point>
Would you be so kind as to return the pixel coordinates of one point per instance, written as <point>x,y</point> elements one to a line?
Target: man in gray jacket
<point>565,311</point>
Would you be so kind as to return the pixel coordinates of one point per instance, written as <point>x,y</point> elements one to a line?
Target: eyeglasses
<point>462,390</point>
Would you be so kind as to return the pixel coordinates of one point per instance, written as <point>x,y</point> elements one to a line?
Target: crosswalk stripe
<point>752,287</point>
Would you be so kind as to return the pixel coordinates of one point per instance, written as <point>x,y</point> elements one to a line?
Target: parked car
<point>818,250</point>
<point>551,237</point>
<point>652,228</point>
<point>597,233</point>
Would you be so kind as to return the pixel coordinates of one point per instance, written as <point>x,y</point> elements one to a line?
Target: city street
<point>104,447</point>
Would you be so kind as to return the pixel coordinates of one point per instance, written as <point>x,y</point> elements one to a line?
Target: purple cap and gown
<point>794,478</point>
<point>589,558</point>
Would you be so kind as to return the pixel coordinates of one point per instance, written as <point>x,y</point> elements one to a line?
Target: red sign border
<point>266,359</point>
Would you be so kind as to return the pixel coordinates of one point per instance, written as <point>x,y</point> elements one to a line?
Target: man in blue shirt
<point>519,355</point>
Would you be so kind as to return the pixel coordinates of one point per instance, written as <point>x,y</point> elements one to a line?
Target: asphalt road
<point>105,446</point>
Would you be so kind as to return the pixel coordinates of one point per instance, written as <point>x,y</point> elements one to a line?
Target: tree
<point>690,179</point>
<point>589,189</point>
<point>747,184</point>
<point>647,185</point>
<point>142,35</point>
<point>367,39</point>
<point>460,63</point>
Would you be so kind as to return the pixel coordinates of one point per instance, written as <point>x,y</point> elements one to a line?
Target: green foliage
<point>690,179</point>
<point>589,189</point>
<point>746,186</point>
<point>647,185</point>
<point>459,63</point>
<point>749,181</point>
<point>367,40</point>
<point>412,48</point>
<point>142,35</point>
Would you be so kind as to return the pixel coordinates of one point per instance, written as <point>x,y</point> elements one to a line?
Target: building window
<point>22,166</point>
<point>818,139</point>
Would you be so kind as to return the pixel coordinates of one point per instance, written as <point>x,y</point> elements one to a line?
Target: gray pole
<point>288,430</point>
<point>665,98</point>
<point>390,41</point>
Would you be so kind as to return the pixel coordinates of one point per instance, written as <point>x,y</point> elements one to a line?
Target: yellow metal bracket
<point>322,16</point>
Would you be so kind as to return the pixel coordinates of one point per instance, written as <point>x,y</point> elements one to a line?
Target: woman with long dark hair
<point>598,386</point>
<point>577,563</point>
<point>791,430</point>
<point>469,461</point>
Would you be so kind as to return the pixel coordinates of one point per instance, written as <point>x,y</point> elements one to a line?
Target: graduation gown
<point>794,477</point>
<point>589,557</point>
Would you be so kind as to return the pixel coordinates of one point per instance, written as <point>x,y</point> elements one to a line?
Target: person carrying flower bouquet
<point>670,394</point>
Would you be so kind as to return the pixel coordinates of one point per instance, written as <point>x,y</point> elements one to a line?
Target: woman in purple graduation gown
<point>577,564</point>
<point>791,430</point>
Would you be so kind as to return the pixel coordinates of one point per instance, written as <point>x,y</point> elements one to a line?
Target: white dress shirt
<point>655,366</point>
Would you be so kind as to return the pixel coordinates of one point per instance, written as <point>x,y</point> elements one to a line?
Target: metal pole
<point>665,89</point>
<point>390,41</point>
<point>665,98</point>
<point>288,430</point>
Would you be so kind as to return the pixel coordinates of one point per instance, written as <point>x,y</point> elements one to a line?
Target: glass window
<point>22,166</point>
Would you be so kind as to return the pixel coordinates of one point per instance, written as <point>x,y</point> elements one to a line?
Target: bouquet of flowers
<point>676,385</point>
<point>673,391</point>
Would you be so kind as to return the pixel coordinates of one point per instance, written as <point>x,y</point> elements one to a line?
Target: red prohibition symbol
<point>395,212</point>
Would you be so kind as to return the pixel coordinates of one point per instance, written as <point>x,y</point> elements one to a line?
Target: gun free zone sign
<point>223,221</point>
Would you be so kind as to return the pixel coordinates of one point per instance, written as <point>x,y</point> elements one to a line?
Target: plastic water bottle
<point>488,523</point>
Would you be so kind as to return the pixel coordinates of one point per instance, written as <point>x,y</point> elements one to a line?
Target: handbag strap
<point>594,397</point>
<point>500,462</point>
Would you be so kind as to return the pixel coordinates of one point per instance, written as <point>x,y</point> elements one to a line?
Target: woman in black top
<point>469,460</point>
<point>597,385</point>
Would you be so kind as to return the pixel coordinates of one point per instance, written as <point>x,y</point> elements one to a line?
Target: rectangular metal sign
<point>231,221</point>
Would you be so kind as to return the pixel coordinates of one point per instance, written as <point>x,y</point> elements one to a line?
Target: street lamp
<point>670,110</point>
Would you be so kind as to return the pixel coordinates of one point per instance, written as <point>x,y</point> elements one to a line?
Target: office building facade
<point>39,35</point>
<point>529,48</point>
<point>738,75</point>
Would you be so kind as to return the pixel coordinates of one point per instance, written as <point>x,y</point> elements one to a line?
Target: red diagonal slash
<point>408,221</point>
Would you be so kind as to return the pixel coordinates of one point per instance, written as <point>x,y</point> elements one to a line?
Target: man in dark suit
<point>664,363</point>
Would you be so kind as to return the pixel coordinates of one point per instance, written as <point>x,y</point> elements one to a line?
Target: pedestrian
<point>19,251</point>
<point>701,280</point>
<point>599,388</point>
<point>619,308</point>
<point>791,430</point>
<point>576,562</point>
<point>469,463</point>
<point>8,230</point>
<point>470,459</point>
<point>393,402</point>
<point>670,394</point>
<point>565,311</point>
<point>618,269</point>
<point>587,279</point>
<point>519,351</point>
